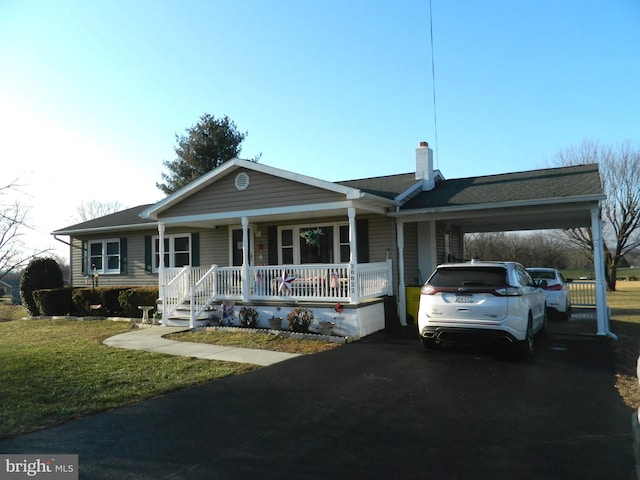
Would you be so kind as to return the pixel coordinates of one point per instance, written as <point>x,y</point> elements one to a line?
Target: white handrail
<point>339,282</point>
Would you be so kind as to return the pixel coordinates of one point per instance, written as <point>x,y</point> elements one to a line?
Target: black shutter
<point>362,240</point>
<point>195,249</point>
<point>272,245</point>
<point>148,255</point>
<point>123,256</point>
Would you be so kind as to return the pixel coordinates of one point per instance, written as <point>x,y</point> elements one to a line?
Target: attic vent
<point>242,181</point>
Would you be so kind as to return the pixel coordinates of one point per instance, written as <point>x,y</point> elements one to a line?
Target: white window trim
<point>296,235</point>
<point>171,251</point>
<point>104,270</point>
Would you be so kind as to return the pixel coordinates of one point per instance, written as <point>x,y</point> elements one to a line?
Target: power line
<point>433,82</point>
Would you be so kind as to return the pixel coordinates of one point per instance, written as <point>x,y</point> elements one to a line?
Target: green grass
<point>575,274</point>
<point>625,323</point>
<point>55,370</point>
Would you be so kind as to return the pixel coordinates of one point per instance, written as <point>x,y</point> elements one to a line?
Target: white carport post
<point>161,275</point>
<point>402,302</point>
<point>602,314</point>
<point>246,284</point>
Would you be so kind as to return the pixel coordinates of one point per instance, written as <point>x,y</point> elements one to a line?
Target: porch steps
<point>182,316</point>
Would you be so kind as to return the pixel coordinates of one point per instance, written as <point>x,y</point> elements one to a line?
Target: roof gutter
<point>87,231</point>
<point>490,206</point>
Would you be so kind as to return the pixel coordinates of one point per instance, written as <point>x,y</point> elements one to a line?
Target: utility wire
<point>433,82</point>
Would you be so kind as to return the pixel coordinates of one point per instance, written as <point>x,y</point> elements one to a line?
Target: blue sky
<point>92,94</point>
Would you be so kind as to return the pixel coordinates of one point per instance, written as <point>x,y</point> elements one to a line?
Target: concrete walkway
<point>151,340</point>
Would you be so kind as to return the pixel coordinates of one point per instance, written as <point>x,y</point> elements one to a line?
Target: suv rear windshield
<point>543,274</point>
<point>469,277</point>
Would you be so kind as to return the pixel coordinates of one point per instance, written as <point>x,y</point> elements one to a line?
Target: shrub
<point>131,298</point>
<point>249,317</point>
<point>54,301</point>
<point>83,298</point>
<point>299,319</point>
<point>40,273</point>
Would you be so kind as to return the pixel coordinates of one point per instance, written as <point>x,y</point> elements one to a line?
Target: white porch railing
<point>177,282</point>
<point>341,282</point>
<point>583,294</point>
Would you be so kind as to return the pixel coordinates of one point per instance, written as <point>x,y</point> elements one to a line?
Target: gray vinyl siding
<point>214,248</point>
<point>382,238</point>
<point>265,191</point>
<point>455,243</point>
<point>75,262</point>
<point>411,273</point>
<point>135,276</point>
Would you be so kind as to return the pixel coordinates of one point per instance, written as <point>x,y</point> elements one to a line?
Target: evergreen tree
<point>207,145</point>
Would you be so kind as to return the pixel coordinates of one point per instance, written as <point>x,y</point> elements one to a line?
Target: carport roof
<point>551,198</point>
<point>531,186</point>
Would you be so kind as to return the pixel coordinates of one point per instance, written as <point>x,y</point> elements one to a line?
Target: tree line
<point>543,248</point>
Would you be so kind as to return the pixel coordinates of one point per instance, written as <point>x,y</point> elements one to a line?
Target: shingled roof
<point>129,218</point>
<point>533,185</point>
<point>389,186</point>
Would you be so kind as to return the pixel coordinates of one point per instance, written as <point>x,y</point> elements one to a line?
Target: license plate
<point>464,298</point>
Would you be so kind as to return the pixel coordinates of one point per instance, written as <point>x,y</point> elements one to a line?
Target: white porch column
<point>246,284</point>
<point>353,256</point>
<point>602,313</point>
<point>402,300</point>
<point>161,277</point>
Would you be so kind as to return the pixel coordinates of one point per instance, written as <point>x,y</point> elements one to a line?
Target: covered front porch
<point>340,291</point>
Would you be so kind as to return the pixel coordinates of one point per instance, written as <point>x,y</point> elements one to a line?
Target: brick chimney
<point>424,166</point>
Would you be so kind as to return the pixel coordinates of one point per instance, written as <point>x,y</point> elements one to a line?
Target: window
<point>345,248</point>
<point>177,251</point>
<point>333,245</point>
<point>104,256</point>
<point>286,246</point>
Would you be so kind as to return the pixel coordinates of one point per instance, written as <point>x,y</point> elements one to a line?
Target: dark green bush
<point>54,301</point>
<point>132,298</point>
<point>40,273</point>
<point>83,298</point>
<point>106,297</point>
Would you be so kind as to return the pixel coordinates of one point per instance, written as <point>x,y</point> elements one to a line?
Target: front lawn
<point>55,370</point>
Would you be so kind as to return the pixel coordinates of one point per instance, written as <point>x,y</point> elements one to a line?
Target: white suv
<point>496,301</point>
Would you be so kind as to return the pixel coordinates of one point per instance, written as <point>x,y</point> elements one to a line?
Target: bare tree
<point>13,223</point>
<point>88,210</point>
<point>620,172</point>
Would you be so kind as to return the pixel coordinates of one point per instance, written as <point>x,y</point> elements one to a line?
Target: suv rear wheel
<point>525,347</point>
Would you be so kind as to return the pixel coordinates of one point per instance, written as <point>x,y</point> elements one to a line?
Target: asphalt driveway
<point>381,408</point>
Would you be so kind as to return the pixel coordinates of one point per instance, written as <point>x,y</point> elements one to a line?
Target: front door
<point>236,247</point>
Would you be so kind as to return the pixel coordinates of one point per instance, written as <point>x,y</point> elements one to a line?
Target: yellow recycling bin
<point>412,294</point>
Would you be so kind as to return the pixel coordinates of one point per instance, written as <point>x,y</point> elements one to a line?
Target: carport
<point>554,198</point>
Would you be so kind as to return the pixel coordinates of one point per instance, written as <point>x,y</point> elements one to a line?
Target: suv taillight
<point>508,291</point>
<point>428,290</point>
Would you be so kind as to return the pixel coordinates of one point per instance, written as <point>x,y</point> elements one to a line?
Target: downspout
<point>161,277</point>
<point>602,312</point>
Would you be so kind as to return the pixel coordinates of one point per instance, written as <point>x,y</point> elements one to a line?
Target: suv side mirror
<point>541,283</point>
